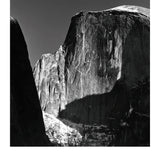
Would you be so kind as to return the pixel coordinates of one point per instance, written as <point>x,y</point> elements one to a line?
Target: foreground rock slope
<point>59,133</point>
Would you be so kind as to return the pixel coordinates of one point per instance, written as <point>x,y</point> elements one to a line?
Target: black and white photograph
<point>80,73</point>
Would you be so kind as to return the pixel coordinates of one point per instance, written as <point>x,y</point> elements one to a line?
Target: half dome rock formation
<point>103,47</point>
<point>26,122</point>
<point>106,65</point>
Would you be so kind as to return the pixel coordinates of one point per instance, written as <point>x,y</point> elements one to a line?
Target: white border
<point>25,153</point>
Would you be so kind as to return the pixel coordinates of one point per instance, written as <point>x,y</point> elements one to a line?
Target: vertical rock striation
<point>49,79</point>
<point>103,47</point>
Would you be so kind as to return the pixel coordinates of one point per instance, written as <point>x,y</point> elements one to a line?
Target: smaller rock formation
<point>49,78</point>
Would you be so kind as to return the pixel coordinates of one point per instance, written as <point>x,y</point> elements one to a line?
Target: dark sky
<point>45,22</point>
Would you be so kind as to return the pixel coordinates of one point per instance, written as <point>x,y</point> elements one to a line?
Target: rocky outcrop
<point>26,122</point>
<point>59,133</point>
<point>106,56</point>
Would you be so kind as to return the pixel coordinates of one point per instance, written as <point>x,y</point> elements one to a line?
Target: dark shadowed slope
<point>27,127</point>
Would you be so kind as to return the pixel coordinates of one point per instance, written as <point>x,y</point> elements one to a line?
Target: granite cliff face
<point>105,62</point>
<point>49,79</point>
<point>104,47</point>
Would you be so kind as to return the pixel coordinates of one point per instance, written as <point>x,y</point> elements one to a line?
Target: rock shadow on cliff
<point>98,109</point>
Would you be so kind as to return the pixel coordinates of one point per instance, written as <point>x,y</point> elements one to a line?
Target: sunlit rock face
<point>103,47</point>
<point>49,79</point>
<point>59,133</point>
<point>105,55</point>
